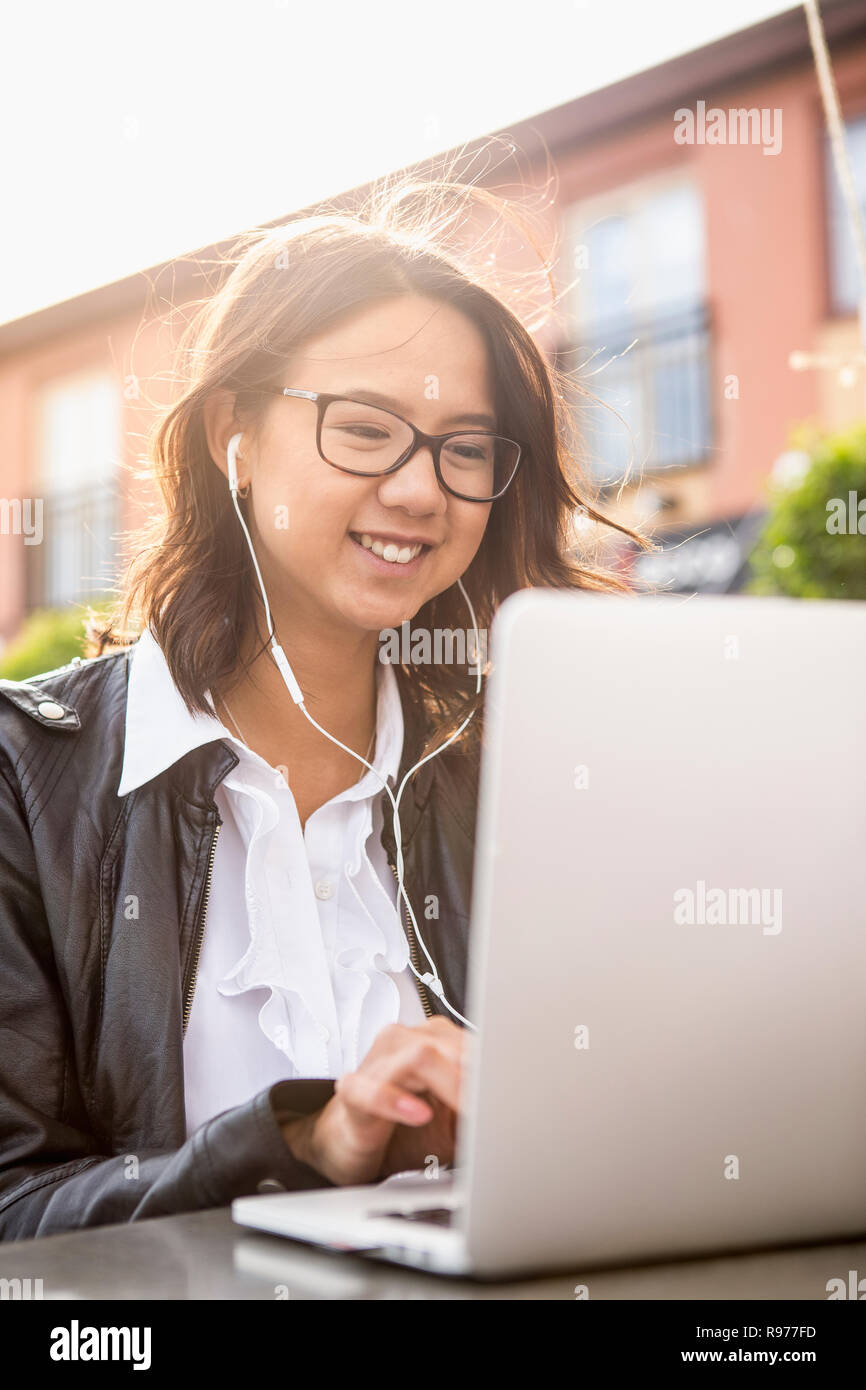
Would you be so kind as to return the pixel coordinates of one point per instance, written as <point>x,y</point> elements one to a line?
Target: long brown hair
<point>190,577</point>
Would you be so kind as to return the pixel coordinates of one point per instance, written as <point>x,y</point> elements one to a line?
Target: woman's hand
<point>399,1108</point>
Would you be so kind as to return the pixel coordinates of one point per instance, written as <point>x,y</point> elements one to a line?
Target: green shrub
<point>48,638</point>
<point>802,551</point>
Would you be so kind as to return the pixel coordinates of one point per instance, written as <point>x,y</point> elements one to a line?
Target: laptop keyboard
<point>436,1216</point>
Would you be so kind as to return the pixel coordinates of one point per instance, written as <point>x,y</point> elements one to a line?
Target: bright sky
<point>135,132</point>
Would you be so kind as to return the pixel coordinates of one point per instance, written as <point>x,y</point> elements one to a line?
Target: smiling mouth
<point>389,550</point>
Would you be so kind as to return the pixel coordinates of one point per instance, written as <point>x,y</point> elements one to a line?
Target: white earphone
<point>431,978</point>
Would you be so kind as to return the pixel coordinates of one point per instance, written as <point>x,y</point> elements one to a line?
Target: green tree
<point>809,547</point>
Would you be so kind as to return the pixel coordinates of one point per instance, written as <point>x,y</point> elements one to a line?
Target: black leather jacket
<point>94,997</point>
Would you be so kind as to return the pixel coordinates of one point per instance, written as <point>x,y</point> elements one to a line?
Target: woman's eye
<point>468,453</point>
<point>364,431</point>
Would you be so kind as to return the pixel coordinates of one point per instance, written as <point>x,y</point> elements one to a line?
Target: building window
<point>79,443</point>
<point>845,287</point>
<point>638,335</point>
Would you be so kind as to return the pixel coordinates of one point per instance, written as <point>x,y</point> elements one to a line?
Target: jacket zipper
<point>413,949</point>
<point>187,1008</point>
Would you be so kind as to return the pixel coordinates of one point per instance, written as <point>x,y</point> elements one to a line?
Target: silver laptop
<point>668,952</point>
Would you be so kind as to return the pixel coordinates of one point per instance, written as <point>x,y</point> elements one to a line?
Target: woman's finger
<point>419,1060</point>
<point>375,1098</point>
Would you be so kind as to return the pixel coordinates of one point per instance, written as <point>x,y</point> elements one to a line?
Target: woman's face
<point>431,362</point>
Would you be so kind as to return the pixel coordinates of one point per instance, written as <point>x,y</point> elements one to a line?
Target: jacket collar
<point>160,730</point>
<point>208,757</point>
<point>197,775</point>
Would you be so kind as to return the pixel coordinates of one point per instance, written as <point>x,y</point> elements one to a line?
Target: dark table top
<point>204,1255</point>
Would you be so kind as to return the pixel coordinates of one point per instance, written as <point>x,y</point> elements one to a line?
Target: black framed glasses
<point>474,465</point>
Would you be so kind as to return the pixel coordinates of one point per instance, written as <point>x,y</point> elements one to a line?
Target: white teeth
<point>396,555</point>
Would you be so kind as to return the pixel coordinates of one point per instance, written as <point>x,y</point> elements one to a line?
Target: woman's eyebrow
<point>362,393</point>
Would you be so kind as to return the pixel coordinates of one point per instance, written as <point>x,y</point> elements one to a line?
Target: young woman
<point>222,970</point>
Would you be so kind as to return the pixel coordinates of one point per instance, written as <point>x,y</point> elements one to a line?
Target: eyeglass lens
<point>364,439</point>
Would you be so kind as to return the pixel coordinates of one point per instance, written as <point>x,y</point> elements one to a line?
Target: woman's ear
<point>220,423</point>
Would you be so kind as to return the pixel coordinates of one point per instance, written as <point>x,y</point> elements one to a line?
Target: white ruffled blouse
<point>304,958</point>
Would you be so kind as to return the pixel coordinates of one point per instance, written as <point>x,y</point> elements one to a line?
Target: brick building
<point>697,213</point>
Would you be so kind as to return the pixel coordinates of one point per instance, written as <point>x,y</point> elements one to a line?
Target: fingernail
<point>414,1109</point>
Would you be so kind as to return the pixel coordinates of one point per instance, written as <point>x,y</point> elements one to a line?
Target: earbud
<point>431,980</point>
<point>231,461</point>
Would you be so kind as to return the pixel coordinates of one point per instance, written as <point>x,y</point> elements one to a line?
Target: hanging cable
<point>841,159</point>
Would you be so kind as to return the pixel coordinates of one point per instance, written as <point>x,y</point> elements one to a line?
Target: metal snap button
<point>49,709</point>
<point>270,1185</point>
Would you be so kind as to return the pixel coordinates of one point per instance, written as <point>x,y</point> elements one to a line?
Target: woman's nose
<point>415,486</point>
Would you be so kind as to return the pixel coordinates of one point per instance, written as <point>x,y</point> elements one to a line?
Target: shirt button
<point>49,709</point>
<point>270,1185</point>
<point>324,1033</point>
<point>324,889</point>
